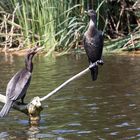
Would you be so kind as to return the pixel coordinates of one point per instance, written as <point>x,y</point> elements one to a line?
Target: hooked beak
<point>86,12</point>
<point>35,49</point>
<point>39,48</point>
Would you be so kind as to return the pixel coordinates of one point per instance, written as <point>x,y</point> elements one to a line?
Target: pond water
<point>107,109</point>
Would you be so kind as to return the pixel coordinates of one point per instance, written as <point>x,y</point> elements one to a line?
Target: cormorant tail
<point>94,73</point>
<point>6,108</point>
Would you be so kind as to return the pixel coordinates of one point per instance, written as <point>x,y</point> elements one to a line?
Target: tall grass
<point>54,24</point>
<point>57,24</point>
<point>51,23</point>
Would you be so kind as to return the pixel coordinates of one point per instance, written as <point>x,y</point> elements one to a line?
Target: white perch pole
<point>71,79</point>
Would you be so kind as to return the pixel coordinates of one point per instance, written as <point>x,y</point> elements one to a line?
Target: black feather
<point>93,43</point>
<point>19,83</point>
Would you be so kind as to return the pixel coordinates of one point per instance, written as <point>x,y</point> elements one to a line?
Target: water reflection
<point>106,109</point>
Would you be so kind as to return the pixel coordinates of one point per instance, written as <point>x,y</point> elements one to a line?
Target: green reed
<point>48,22</point>
<point>54,24</point>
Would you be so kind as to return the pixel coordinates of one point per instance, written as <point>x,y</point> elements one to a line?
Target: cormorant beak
<point>86,12</point>
<point>35,49</point>
<point>90,13</point>
<point>39,48</point>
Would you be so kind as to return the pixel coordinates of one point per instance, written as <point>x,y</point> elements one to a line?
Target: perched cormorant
<point>17,86</point>
<point>93,43</point>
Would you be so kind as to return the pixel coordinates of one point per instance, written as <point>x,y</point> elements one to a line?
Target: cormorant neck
<point>28,62</point>
<point>92,27</point>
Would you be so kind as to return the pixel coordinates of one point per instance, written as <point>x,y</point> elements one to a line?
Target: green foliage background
<point>59,24</point>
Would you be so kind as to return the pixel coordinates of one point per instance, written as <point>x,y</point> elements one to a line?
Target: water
<point>108,109</point>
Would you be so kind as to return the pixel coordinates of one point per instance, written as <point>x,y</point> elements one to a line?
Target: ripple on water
<point>84,132</point>
<point>62,131</point>
<point>124,124</point>
<point>4,135</point>
<point>114,133</point>
<point>23,122</point>
<point>74,124</point>
<point>108,106</point>
<point>41,136</point>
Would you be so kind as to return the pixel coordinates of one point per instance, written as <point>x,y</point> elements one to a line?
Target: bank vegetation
<point>58,25</point>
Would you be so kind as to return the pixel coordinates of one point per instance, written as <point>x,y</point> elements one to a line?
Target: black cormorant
<point>93,43</point>
<point>18,85</point>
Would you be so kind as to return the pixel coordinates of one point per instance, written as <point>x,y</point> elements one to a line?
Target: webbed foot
<point>20,103</point>
<point>100,62</point>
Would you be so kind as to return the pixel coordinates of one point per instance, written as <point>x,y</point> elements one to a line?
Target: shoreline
<point>15,51</point>
<point>22,52</point>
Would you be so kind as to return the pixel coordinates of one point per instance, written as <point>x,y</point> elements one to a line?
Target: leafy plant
<point>51,23</point>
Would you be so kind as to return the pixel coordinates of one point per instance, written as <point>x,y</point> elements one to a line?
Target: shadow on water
<point>107,109</point>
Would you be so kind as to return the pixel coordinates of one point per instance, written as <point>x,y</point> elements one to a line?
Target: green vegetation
<point>59,24</point>
<point>123,25</point>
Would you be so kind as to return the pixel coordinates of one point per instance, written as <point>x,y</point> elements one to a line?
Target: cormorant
<point>18,85</point>
<point>93,43</point>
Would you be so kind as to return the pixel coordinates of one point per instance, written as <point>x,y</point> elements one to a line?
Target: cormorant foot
<point>100,62</point>
<point>91,65</point>
<point>23,103</point>
<point>20,103</point>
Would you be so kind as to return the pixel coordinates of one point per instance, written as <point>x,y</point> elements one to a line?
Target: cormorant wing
<point>17,84</point>
<point>93,46</point>
<point>96,41</point>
